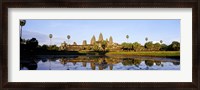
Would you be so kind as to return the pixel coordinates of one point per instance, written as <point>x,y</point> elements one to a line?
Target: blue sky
<point>79,30</point>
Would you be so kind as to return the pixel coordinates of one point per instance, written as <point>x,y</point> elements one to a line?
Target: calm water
<point>99,63</point>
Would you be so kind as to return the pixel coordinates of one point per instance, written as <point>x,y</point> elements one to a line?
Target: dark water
<point>99,63</point>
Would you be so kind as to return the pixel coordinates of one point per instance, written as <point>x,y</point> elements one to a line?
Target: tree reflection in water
<point>30,65</point>
<point>158,63</point>
<point>84,64</point>
<point>95,63</point>
<point>103,65</point>
<point>176,63</point>
<point>111,66</point>
<point>92,64</point>
<point>149,62</point>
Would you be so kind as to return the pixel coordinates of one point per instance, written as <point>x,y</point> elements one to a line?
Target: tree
<point>44,47</point>
<point>149,63</point>
<point>164,47</point>
<point>127,62</point>
<point>127,46</point>
<point>146,39</point>
<point>127,37</point>
<point>100,37</point>
<point>149,45</point>
<point>137,62</point>
<point>68,37</point>
<point>93,40</point>
<point>158,63</point>
<point>174,46</point>
<point>22,23</point>
<point>137,46</point>
<point>54,47</point>
<point>157,46</point>
<point>110,40</point>
<point>50,36</point>
<point>161,41</point>
<point>32,44</point>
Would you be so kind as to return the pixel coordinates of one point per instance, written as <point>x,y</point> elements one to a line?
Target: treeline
<point>150,46</point>
<point>31,47</point>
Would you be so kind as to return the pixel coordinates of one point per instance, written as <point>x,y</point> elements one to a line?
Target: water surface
<point>74,62</point>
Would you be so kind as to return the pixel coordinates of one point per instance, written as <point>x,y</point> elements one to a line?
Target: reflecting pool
<point>86,62</point>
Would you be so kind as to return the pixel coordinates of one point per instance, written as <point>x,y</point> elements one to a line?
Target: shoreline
<point>170,54</point>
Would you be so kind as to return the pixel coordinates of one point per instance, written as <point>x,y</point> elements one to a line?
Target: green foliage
<point>68,36</point>
<point>127,62</point>
<point>174,46</point>
<point>127,46</point>
<point>53,47</point>
<point>158,63</point>
<point>137,46</point>
<point>145,53</point>
<point>156,46</point>
<point>149,62</point>
<point>50,35</point>
<point>146,39</point>
<point>137,62</point>
<point>44,47</point>
<point>161,41</point>
<point>149,45</point>
<point>32,43</point>
<point>22,22</point>
<point>127,36</point>
<point>164,47</point>
<point>28,47</point>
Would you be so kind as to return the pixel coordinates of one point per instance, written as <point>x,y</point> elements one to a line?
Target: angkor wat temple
<point>95,45</point>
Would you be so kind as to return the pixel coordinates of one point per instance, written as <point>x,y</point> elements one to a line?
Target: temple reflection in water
<point>100,63</point>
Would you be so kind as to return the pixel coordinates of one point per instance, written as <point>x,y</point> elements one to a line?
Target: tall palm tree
<point>22,23</point>
<point>161,41</point>
<point>127,36</point>
<point>146,39</point>
<point>50,36</point>
<point>68,37</point>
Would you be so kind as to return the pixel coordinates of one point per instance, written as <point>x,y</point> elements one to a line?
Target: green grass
<point>142,53</point>
<point>148,53</point>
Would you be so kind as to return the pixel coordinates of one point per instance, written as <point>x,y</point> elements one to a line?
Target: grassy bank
<point>124,53</point>
<point>148,53</point>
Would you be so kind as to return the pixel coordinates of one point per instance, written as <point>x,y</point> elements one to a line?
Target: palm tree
<point>161,41</point>
<point>127,36</point>
<point>68,37</point>
<point>146,39</point>
<point>22,23</point>
<point>50,36</point>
